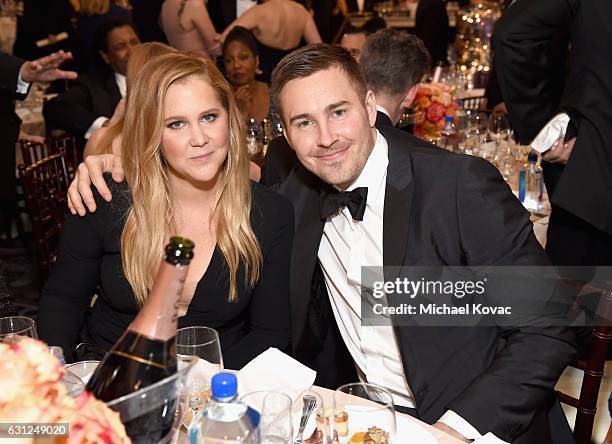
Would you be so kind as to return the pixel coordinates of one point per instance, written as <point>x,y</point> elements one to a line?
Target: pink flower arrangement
<point>31,391</point>
<point>431,105</point>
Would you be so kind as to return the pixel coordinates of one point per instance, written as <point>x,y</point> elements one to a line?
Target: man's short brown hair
<point>393,61</point>
<point>311,59</point>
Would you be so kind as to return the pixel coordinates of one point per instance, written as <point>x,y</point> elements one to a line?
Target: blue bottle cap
<point>532,156</point>
<point>449,119</point>
<point>224,385</point>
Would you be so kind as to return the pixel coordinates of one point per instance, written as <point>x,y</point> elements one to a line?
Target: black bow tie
<point>355,200</point>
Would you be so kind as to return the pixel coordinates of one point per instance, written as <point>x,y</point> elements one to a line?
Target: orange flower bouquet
<point>431,105</point>
<point>31,391</point>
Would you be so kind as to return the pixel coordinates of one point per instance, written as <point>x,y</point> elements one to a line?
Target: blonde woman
<point>186,168</point>
<point>107,139</point>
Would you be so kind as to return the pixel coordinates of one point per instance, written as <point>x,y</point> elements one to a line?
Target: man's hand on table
<point>560,152</point>
<point>450,431</point>
<point>91,171</point>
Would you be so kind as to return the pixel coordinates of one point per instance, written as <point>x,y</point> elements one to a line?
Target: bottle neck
<point>226,399</point>
<point>158,317</point>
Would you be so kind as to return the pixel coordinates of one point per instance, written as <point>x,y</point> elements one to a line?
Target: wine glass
<point>362,411</point>
<point>254,137</point>
<point>14,327</point>
<point>499,126</point>
<point>202,342</point>
<point>275,425</point>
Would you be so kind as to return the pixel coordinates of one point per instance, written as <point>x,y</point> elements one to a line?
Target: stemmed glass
<point>13,327</point>
<point>362,411</point>
<point>254,137</point>
<point>275,425</point>
<point>202,342</point>
<point>498,124</point>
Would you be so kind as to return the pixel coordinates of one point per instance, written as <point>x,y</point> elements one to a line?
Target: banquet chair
<point>32,152</point>
<point>593,367</point>
<point>45,184</point>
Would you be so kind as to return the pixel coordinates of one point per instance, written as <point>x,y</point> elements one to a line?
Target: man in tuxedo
<point>392,63</point>
<point>90,102</point>
<point>421,207</point>
<point>16,76</point>
<point>531,43</point>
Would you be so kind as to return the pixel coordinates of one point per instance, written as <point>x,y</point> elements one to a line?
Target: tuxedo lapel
<point>110,84</point>
<point>303,189</point>
<point>382,120</point>
<point>399,193</point>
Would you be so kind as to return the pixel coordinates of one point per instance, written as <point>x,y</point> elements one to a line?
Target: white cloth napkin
<point>548,135</point>
<point>276,371</point>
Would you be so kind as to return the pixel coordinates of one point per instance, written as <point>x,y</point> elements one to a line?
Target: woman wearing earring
<point>186,172</point>
<point>241,62</point>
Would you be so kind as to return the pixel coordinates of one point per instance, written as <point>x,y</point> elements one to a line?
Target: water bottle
<point>58,352</point>
<point>225,420</point>
<point>449,134</point>
<point>531,184</point>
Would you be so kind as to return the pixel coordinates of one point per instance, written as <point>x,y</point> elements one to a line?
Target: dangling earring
<point>258,71</point>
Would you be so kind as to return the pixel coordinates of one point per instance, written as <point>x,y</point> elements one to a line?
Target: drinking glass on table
<point>202,342</point>
<point>254,137</point>
<point>365,410</point>
<point>275,424</point>
<point>14,327</point>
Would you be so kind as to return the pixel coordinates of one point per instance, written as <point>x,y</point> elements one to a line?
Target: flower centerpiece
<point>432,103</point>
<point>31,391</point>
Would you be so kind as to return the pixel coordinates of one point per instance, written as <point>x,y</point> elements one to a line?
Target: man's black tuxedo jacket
<point>9,123</point>
<point>530,66</point>
<point>440,209</point>
<point>90,96</point>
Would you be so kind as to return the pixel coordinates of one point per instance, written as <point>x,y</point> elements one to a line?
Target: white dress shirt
<point>122,85</point>
<point>243,5</point>
<point>22,86</point>
<point>346,246</point>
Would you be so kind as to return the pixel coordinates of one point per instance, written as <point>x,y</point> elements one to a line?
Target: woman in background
<point>241,63</point>
<point>278,27</point>
<point>188,27</point>
<point>186,169</point>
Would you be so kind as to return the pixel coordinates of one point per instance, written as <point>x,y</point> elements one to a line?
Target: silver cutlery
<point>309,404</point>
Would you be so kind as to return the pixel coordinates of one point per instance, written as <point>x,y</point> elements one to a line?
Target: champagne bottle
<point>146,352</point>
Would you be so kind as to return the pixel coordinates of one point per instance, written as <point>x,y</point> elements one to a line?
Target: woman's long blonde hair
<point>138,57</point>
<point>150,220</point>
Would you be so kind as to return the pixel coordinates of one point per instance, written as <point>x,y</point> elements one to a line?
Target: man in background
<point>16,76</point>
<point>90,102</point>
<point>573,114</point>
